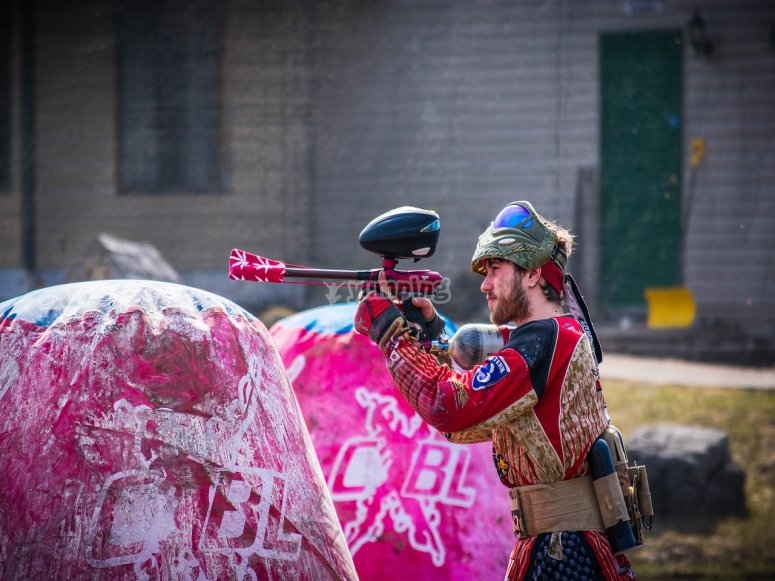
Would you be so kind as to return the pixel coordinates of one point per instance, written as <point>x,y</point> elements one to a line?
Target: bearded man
<point>538,398</point>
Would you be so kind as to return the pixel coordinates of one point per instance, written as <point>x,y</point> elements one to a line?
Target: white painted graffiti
<point>141,509</point>
<point>9,374</point>
<point>433,476</point>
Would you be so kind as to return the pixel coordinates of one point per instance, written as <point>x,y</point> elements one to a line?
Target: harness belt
<point>568,505</point>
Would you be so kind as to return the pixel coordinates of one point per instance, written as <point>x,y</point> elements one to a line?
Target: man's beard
<point>512,307</point>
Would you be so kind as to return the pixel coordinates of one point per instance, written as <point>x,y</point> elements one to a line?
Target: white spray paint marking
<point>247,508</point>
<point>436,476</point>
<point>142,515</point>
<point>240,520</point>
<point>296,367</point>
<point>9,375</point>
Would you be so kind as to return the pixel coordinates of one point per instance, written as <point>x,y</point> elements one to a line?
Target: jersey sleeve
<point>467,405</point>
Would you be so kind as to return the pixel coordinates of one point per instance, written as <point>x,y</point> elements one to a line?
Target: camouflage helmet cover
<point>518,234</point>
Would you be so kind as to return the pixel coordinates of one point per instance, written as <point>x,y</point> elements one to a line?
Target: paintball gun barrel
<point>402,233</point>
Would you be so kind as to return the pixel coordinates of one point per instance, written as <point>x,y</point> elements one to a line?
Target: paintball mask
<point>518,234</point>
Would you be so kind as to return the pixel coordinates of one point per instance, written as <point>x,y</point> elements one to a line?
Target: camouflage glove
<point>377,317</point>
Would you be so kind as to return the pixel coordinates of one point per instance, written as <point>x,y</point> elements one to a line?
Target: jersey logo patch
<point>491,372</point>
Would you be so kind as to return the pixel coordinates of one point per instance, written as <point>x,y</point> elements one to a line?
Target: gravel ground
<point>677,372</point>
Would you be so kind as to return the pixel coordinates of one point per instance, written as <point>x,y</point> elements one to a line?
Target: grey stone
<point>690,471</point>
<point>110,257</point>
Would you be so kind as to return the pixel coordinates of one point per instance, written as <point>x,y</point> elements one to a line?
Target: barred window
<point>169,75</point>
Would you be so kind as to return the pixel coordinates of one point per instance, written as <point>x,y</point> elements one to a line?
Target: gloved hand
<point>375,316</point>
<point>421,312</point>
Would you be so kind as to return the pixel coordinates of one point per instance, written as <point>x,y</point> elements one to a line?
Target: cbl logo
<point>398,475</point>
<point>437,474</point>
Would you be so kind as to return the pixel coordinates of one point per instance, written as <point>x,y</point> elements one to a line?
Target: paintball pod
<point>402,233</point>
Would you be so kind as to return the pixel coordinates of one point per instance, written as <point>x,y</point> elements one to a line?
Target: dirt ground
<point>674,371</point>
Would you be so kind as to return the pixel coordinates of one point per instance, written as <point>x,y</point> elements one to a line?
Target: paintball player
<point>538,398</point>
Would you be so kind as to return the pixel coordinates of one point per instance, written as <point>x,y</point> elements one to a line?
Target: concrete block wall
<point>335,111</point>
<point>463,106</point>
<point>266,146</point>
<point>460,107</point>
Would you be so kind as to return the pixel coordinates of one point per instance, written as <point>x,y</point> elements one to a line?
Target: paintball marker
<point>402,233</point>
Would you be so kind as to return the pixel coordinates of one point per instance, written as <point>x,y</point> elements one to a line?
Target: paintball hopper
<point>405,232</point>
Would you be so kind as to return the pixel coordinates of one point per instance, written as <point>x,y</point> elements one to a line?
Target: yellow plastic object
<point>697,148</point>
<point>669,307</point>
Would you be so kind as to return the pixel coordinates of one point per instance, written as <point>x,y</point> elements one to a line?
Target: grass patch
<point>733,548</point>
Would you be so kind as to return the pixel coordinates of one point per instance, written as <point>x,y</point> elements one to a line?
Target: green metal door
<point>640,165</point>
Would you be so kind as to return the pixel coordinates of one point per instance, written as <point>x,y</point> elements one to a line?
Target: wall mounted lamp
<point>698,35</point>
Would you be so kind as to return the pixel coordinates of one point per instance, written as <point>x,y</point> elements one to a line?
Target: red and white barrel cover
<point>149,431</point>
<point>412,505</point>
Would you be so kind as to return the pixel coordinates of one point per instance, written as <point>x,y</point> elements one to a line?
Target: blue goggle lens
<point>513,216</point>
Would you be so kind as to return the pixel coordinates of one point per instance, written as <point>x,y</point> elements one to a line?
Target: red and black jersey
<point>538,400</point>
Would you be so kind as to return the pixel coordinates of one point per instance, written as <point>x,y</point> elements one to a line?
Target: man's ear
<point>533,276</point>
